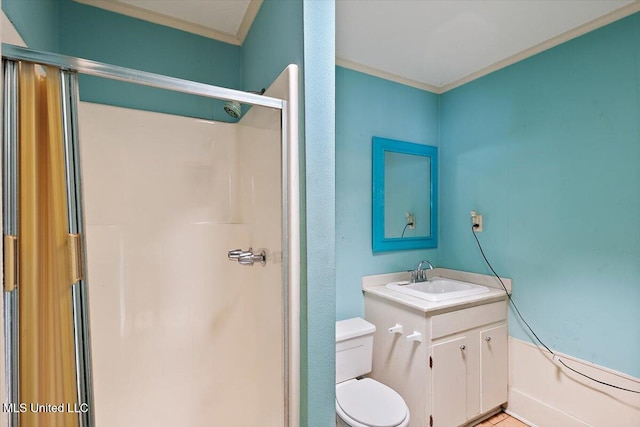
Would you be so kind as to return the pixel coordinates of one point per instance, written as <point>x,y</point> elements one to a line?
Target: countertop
<point>375,285</point>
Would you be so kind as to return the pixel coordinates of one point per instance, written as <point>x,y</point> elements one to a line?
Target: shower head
<point>233,108</point>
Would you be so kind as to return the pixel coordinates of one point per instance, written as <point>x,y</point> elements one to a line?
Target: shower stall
<point>151,261</point>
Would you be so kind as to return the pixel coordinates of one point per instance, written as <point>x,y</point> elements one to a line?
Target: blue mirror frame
<point>380,243</point>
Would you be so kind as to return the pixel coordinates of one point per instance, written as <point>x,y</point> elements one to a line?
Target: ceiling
<point>432,44</point>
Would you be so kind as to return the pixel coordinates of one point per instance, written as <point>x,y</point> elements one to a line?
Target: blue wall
<point>548,150</point>
<point>274,41</point>
<point>320,141</point>
<point>36,21</point>
<point>368,106</point>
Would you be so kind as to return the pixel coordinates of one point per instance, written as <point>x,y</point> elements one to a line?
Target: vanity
<point>447,357</point>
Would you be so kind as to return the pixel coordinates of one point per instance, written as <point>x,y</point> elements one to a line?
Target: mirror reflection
<point>407,180</point>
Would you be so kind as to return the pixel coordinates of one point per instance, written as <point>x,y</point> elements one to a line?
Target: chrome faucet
<point>419,274</point>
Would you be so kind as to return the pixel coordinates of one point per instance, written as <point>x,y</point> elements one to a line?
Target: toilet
<point>363,402</point>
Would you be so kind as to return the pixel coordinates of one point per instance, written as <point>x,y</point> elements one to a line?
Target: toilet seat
<point>368,403</point>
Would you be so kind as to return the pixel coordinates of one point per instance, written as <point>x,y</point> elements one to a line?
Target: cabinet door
<point>493,367</point>
<point>449,383</point>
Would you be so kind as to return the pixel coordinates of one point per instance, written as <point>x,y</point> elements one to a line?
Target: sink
<point>438,289</point>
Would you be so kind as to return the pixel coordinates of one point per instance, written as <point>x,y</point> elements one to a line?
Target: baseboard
<point>541,394</point>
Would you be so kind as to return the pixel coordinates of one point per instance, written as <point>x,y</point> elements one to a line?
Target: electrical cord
<point>513,304</point>
<point>405,228</point>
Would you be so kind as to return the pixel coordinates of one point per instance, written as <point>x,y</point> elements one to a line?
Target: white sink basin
<point>438,289</point>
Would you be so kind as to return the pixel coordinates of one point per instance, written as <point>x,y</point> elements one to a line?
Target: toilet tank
<point>354,348</point>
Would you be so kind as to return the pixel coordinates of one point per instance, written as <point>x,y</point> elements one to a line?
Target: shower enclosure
<point>184,237</point>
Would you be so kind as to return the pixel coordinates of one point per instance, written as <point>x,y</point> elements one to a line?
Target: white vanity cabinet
<point>457,372</point>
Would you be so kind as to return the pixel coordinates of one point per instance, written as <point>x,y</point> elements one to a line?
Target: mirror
<point>405,195</point>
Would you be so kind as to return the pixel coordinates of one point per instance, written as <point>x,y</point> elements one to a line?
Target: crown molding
<point>180,24</point>
<point>345,63</point>
<point>247,21</point>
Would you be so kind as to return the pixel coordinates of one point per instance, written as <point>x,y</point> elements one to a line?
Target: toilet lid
<point>371,403</point>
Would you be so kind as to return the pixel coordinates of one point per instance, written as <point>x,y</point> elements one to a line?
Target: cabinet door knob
<point>463,347</point>
<point>487,339</point>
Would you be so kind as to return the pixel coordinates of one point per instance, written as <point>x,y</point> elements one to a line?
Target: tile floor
<point>501,420</point>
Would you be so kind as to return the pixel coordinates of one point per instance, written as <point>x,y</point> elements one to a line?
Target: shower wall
<point>180,335</point>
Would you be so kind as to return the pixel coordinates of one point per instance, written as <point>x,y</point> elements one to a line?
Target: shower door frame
<point>70,67</point>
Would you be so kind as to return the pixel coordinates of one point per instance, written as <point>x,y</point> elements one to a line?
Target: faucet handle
<point>414,275</point>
